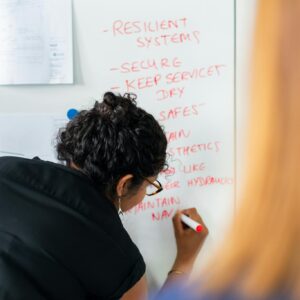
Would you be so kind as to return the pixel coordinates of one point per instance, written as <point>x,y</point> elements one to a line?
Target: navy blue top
<point>60,238</point>
<point>183,292</point>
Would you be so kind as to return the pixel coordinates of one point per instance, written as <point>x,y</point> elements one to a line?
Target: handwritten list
<point>180,63</point>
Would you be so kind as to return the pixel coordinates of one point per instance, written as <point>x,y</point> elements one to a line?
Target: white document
<point>30,135</point>
<point>36,42</point>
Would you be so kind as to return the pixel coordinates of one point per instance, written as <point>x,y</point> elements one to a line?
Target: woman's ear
<point>123,184</point>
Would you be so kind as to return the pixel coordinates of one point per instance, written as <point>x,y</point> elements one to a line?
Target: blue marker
<point>72,112</point>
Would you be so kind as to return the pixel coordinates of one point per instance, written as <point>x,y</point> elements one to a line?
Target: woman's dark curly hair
<point>113,139</point>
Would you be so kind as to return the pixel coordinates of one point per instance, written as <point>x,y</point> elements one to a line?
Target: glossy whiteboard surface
<point>179,58</point>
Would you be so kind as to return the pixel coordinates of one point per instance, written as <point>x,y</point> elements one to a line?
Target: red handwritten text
<point>168,39</point>
<point>120,27</point>
<point>179,111</point>
<point>148,64</point>
<point>171,185</point>
<point>168,172</point>
<point>165,214</point>
<point>164,94</point>
<point>170,78</point>
<point>177,135</point>
<point>142,83</point>
<point>195,148</point>
<point>209,180</point>
<point>192,168</point>
<point>202,72</point>
<point>155,203</point>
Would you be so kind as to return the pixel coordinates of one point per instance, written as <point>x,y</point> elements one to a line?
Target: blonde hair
<point>261,255</point>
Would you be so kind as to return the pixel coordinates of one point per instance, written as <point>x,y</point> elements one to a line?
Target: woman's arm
<point>189,243</point>
<point>138,292</point>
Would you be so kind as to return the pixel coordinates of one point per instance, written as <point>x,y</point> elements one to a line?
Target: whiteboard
<point>179,58</point>
<point>30,135</point>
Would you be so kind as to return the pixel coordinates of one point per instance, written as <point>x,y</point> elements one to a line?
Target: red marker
<point>191,223</point>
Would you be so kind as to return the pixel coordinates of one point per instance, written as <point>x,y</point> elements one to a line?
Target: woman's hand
<point>189,242</point>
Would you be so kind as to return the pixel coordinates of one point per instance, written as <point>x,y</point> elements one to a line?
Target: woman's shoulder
<point>68,186</point>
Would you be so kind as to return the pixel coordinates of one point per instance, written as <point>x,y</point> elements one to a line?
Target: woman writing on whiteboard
<point>260,258</point>
<point>60,232</point>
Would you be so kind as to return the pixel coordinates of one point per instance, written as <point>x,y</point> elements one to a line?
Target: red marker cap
<point>199,228</point>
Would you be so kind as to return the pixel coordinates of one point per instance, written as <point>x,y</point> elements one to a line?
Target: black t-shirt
<point>60,238</point>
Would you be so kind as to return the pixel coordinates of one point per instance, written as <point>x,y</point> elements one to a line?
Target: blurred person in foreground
<point>260,257</point>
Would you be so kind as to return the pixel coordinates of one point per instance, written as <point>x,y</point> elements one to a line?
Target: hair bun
<point>130,96</point>
<point>111,99</point>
